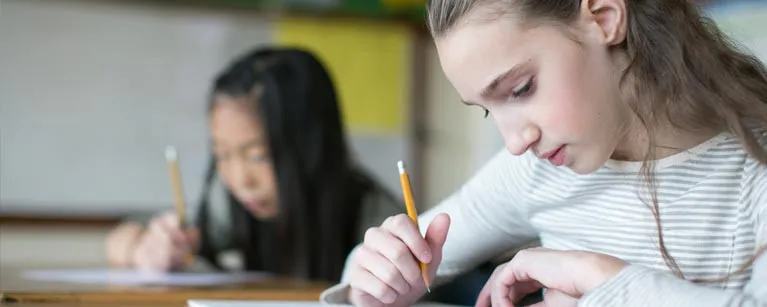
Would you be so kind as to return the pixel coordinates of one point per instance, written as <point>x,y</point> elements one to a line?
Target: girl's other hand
<point>566,276</point>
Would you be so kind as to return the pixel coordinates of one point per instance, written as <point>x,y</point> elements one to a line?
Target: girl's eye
<point>487,112</point>
<point>525,89</point>
<point>259,158</point>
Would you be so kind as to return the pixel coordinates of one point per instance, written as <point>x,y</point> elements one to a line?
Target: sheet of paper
<point>233,303</point>
<point>139,278</point>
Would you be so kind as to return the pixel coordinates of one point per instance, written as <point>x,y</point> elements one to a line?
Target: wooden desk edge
<point>174,297</point>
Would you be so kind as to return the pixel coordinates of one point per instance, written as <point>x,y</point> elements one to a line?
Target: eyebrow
<point>252,143</point>
<point>490,88</point>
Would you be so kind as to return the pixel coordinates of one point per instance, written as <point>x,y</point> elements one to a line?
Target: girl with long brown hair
<point>635,135</point>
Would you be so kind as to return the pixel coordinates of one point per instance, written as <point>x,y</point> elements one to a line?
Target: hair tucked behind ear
<point>681,67</point>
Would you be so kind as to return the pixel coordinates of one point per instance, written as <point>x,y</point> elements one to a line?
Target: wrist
<point>607,267</point>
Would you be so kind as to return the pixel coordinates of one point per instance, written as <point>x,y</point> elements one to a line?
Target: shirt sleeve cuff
<point>614,289</point>
<point>338,294</point>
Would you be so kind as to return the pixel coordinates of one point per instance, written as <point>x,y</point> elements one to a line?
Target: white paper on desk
<point>141,278</point>
<point>233,303</point>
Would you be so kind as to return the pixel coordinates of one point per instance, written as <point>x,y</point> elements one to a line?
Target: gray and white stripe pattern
<point>713,210</point>
<point>708,225</point>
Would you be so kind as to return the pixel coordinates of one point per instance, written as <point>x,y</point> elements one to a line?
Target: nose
<point>519,141</point>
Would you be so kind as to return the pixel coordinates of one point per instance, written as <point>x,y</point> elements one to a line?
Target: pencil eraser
<point>170,153</point>
<point>401,167</point>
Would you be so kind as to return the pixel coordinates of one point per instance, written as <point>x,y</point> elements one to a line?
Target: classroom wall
<point>92,92</point>
<point>78,138</point>
<point>459,139</point>
<point>91,97</point>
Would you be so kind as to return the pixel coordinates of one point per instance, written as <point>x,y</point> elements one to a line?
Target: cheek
<point>564,109</point>
<point>503,122</point>
<point>267,179</point>
<point>572,95</point>
<point>224,173</point>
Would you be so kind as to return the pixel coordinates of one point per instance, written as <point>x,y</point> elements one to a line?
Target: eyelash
<point>258,158</point>
<point>525,90</point>
<point>522,92</point>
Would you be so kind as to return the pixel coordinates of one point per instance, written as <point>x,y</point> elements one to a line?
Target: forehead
<point>232,118</point>
<point>473,54</point>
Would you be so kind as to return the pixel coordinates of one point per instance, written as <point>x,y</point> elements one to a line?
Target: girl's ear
<point>605,20</point>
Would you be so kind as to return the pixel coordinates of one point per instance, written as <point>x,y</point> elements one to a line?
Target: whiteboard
<point>91,93</point>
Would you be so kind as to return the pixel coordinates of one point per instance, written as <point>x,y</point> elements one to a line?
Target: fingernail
<point>426,256</point>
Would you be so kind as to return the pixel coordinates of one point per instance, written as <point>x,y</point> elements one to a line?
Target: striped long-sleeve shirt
<point>713,207</point>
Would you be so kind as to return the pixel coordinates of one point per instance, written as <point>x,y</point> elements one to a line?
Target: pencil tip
<point>401,166</point>
<point>428,289</point>
<point>170,153</point>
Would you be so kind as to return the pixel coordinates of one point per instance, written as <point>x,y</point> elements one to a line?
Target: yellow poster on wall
<point>369,62</point>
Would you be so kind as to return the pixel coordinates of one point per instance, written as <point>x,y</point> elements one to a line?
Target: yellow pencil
<point>171,156</point>
<point>412,213</point>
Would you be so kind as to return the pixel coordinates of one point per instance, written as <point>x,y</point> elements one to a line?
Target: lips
<point>556,156</point>
<point>551,153</point>
<point>254,204</point>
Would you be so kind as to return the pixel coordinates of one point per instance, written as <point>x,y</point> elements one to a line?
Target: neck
<point>667,140</point>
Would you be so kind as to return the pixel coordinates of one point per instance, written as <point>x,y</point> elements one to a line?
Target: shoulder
<point>756,171</point>
<point>754,185</point>
<point>377,205</point>
<point>761,137</point>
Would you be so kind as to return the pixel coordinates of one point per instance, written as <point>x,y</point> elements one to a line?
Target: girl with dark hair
<point>295,201</point>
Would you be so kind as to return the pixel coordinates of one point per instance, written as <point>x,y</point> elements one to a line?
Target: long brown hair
<point>681,66</point>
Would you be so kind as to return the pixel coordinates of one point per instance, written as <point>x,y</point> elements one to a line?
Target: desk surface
<point>17,291</point>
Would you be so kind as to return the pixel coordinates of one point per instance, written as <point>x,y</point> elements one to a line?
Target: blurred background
<point>91,92</point>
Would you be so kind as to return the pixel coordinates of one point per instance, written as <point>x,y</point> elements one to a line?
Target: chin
<point>585,167</point>
<point>264,214</point>
<point>594,162</point>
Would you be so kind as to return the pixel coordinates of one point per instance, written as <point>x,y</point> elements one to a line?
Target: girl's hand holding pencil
<point>164,245</point>
<point>386,269</point>
<point>168,243</point>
